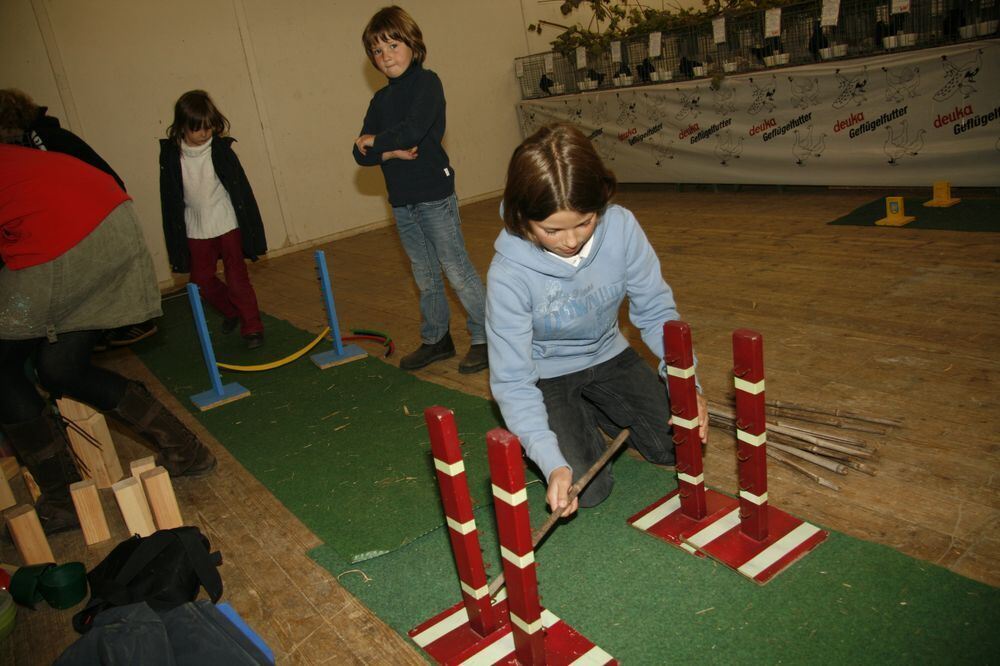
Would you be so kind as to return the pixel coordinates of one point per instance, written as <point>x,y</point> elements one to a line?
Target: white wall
<point>291,77</point>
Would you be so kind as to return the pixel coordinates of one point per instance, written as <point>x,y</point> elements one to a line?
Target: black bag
<point>165,569</point>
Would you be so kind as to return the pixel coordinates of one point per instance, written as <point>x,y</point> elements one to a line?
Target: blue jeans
<point>623,392</point>
<point>431,233</point>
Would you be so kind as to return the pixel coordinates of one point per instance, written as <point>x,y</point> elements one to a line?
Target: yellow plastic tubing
<point>280,362</point>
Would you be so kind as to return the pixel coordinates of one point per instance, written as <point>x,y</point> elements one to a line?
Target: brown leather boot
<point>177,448</point>
<point>42,446</point>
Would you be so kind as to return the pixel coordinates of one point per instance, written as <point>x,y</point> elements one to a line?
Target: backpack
<point>165,570</point>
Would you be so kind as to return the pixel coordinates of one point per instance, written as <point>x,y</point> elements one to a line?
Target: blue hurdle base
<point>208,399</point>
<point>328,359</point>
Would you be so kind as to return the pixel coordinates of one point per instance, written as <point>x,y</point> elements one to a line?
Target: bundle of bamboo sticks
<point>794,439</point>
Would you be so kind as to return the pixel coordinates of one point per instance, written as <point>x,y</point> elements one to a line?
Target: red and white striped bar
<point>757,540</point>
<point>751,431</point>
<point>691,506</point>
<point>462,531</point>
<point>523,632</point>
<point>679,359</point>
<point>448,640</point>
<point>510,500</point>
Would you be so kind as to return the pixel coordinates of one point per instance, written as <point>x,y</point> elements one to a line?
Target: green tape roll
<point>24,584</point>
<point>64,585</point>
<point>60,586</point>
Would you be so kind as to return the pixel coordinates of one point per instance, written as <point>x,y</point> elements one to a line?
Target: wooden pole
<point>780,457</point>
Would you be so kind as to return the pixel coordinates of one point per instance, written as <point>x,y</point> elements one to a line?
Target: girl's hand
<point>364,142</point>
<point>559,483</point>
<point>702,419</point>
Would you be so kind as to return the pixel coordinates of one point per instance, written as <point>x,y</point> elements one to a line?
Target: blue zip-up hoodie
<point>546,318</point>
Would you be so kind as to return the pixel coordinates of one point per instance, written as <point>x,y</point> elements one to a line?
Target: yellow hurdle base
<point>942,195</point>
<point>941,203</point>
<point>895,216</point>
<point>895,220</point>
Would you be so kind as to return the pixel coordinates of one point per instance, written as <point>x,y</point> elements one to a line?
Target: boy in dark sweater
<point>402,133</point>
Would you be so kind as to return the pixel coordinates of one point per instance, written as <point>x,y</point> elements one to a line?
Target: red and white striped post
<point>679,359</point>
<point>751,432</point>
<point>692,509</point>
<point>510,500</point>
<point>461,524</point>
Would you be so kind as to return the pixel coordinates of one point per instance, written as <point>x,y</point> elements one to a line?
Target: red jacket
<point>49,202</point>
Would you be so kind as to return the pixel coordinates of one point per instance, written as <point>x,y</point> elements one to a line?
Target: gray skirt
<point>105,281</point>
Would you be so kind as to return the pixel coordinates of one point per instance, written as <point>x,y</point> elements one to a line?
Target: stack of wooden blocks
<point>146,497</point>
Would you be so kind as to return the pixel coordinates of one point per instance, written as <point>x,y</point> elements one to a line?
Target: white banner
<point>901,119</point>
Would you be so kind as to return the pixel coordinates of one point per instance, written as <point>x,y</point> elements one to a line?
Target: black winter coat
<point>233,178</point>
<point>45,133</point>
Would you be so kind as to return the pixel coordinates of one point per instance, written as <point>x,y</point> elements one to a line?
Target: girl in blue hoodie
<point>560,368</point>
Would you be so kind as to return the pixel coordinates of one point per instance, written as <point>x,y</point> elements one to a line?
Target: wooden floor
<point>888,322</point>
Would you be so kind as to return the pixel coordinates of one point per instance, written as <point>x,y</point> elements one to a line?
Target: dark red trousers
<point>235,296</point>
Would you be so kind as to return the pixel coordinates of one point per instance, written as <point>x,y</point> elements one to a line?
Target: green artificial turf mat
<point>645,602</point>
<point>345,449</point>
<point>967,215</point>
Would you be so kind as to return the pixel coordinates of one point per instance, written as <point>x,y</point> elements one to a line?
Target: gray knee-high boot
<point>177,448</point>
<point>42,446</point>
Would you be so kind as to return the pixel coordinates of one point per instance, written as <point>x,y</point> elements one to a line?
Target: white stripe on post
<point>519,497</point>
<point>452,469</point>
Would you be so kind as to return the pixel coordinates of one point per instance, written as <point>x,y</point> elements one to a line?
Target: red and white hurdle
<point>512,628</point>
<point>749,535</point>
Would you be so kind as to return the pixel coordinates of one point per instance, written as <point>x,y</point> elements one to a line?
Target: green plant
<point>614,20</point>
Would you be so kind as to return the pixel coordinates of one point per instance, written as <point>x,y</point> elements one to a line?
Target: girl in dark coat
<point>209,212</point>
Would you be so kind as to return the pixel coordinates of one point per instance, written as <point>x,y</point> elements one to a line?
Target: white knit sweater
<point>208,211</point>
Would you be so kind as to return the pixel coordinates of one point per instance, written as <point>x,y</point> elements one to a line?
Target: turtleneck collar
<point>414,66</point>
<point>196,151</point>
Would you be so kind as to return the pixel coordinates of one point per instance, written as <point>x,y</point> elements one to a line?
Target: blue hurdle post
<point>339,354</point>
<point>220,393</point>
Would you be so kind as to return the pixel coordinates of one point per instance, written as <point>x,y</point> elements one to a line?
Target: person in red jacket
<point>24,123</point>
<point>76,264</point>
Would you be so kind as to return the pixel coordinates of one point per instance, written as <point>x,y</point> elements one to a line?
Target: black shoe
<point>427,354</point>
<point>254,340</point>
<point>476,360</point>
<point>127,335</point>
<point>229,324</point>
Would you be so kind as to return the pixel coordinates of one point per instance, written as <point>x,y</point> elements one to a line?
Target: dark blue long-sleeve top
<point>409,112</point>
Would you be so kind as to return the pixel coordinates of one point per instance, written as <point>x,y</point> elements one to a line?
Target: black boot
<point>177,449</point>
<point>427,354</point>
<point>43,448</point>
<point>477,359</point>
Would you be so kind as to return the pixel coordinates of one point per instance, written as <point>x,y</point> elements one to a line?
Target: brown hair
<point>394,23</point>
<point>17,110</point>
<point>554,169</point>
<point>193,111</point>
